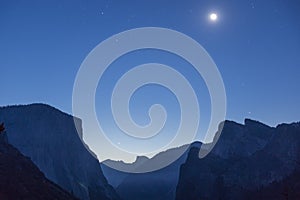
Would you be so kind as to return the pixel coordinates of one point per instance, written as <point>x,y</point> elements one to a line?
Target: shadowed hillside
<point>21,179</point>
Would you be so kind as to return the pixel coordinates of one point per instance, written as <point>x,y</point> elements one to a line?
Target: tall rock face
<point>237,140</point>
<point>156,185</point>
<point>21,179</point>
<point>248,159</point>
<point>49,137</point>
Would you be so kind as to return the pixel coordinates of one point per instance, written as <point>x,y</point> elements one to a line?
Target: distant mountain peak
<point>141,159</point>
<point>294,124</point>
<point>251,122</point>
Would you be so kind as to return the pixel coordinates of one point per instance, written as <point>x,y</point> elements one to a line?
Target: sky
<point>255,45</point>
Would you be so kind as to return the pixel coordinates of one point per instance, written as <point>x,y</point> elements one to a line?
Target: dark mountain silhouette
<point>236,141</point>
<point>248,159</point>
<point>48,136</point>
<point>21,179</point>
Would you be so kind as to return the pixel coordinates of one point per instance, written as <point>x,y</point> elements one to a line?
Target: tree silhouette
<point>2,128</point>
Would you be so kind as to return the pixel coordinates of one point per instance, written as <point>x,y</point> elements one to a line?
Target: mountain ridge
<point>124,190</point>
<point>34,126</point>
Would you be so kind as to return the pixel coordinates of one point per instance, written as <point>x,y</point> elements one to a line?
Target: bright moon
<point>213,16</point>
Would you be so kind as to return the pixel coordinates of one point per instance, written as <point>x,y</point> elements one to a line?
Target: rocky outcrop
<point>237,140</point>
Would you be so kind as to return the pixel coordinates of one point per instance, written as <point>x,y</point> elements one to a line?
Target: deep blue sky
<point>255,44</point>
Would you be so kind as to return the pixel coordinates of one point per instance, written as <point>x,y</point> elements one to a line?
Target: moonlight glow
<point>213,16</point>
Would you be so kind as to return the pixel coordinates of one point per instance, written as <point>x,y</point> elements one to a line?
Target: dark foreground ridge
<point>21,179</point>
